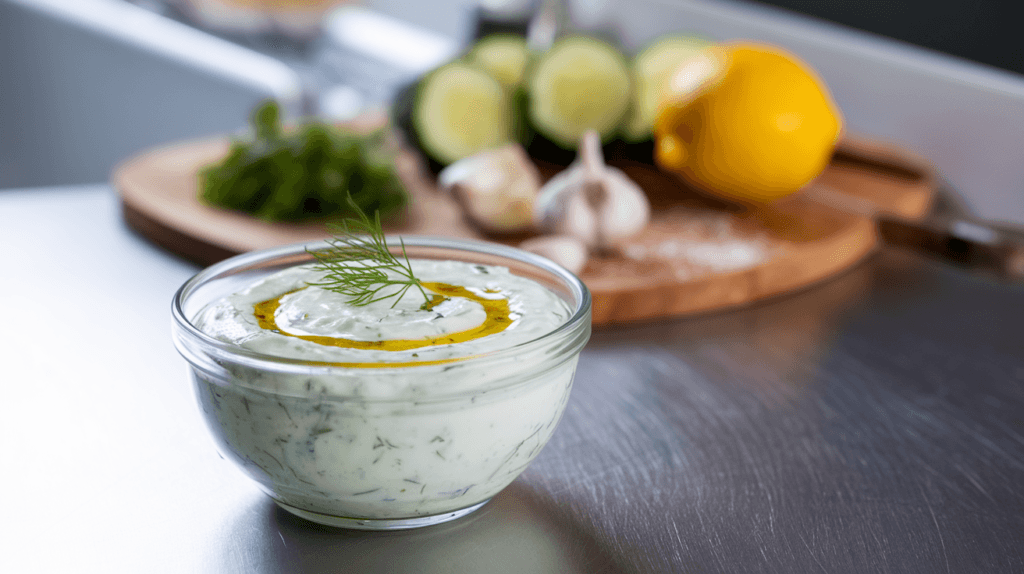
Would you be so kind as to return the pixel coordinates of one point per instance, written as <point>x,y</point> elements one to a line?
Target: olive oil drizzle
<point>498,318</point>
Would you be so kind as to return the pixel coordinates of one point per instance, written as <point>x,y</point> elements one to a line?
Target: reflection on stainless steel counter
<point>872,423</point>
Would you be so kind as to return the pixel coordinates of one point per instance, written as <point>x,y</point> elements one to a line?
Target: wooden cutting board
<point>698,254</point>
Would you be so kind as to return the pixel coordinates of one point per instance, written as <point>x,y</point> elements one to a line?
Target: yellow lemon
<point>749,122</point>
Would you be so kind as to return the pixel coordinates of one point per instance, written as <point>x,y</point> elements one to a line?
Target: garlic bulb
<point>497,188</point>
<point>591,201</point>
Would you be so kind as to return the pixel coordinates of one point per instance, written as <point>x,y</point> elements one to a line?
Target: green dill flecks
<point>383,443</point>
<point>360,265</point>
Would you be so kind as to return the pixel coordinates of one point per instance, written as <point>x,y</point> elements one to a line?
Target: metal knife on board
<point>949,232</point>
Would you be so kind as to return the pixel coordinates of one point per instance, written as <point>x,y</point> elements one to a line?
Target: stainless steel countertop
<point>874,423</point>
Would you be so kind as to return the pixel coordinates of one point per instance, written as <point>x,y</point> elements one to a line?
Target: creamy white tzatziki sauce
<point>314,311</point>
<point>412,425</point>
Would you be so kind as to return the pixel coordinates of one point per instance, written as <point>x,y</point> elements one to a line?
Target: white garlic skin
<point>563,208</point>
<point>497,188</point>
<point>565,250</point>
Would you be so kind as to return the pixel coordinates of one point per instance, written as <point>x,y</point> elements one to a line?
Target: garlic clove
<point>579,220</point>
<point>553,198</point>
<point>566,250</point>
<point>496,188</point>
<point>626,210</point>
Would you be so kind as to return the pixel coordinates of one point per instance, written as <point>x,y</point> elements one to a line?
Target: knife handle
<point>962,241</point>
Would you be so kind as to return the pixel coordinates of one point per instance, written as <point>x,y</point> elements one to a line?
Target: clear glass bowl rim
<point>579,320</point>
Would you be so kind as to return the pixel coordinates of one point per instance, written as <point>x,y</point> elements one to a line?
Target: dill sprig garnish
<point>358,262</point>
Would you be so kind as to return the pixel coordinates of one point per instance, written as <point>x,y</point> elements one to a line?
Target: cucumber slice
<point>504,56</point>
<point>460,110</point>
<point>653,67</point>
<point>580,83</point>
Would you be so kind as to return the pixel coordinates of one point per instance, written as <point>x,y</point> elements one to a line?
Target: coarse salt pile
<point>695,244</point>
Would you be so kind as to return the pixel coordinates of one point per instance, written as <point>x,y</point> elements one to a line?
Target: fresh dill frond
<point>358,262</point>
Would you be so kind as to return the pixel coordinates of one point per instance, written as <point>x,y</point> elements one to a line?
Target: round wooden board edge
<point>724,291</point>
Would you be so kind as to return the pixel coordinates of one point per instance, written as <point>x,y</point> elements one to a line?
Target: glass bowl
<point>387,447</point>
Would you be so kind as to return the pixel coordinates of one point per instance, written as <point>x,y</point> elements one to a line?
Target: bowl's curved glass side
<point>367,460</point>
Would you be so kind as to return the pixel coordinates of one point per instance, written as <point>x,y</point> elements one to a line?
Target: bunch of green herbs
<point>303,174</point>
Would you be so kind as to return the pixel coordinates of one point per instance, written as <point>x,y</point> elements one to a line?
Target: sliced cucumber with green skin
<point>401,117</point>
<point>653,68</point>
<point>504,56</point>
<point>580,83</point>
<point>460,110</point>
